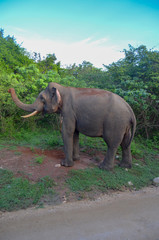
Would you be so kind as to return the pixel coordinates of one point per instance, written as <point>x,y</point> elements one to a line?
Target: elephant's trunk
<point>27,107</point>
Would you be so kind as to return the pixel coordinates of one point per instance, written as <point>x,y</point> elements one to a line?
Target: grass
<point>92,143</point>
<point>2,146</point>
<point>16,193</point>
<point>39,159</point>
<point>44,139</point>
<point>145,168</point>
<point>95,179</point>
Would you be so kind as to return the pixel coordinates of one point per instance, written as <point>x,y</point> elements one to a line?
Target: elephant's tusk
<point>30,115</point>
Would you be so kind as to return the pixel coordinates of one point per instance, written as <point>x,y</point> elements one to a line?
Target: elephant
<point>92,112</point>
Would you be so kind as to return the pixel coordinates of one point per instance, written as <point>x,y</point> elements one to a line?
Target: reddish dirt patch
<point>22,162</point>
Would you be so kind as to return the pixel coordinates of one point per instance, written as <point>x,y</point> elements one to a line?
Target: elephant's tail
<point>133,129</point>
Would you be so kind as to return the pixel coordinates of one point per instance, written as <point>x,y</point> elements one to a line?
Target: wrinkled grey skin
<point>93,112</point>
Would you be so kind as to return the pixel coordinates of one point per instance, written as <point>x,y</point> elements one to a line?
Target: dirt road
<point>121,216</point>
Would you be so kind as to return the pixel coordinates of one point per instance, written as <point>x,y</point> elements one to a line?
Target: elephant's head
<point>48,101</point>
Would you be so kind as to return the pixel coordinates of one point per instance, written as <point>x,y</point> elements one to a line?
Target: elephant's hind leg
<point>126,151</point>
<point>112,138</point>
<point>108,162</point>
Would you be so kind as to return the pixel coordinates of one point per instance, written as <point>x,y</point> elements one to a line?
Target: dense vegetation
<point>135,78</point>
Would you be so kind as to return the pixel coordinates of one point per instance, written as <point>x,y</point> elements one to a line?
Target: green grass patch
<point>145,168</point>
<point>90,142</point>
<point>17,153</point>
<point>95,179</point>
<point>41,138</point>
<point>2,146</point>
<point>46,139</point>
<point>39,159</point>
<point>17,193</point>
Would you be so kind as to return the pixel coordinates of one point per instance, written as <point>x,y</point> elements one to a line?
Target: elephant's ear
<point>59,99</point>
<point>56,93</point>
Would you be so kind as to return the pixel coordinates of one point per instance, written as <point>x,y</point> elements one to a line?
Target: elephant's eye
<point>42,99</point>
<point>53,92</point>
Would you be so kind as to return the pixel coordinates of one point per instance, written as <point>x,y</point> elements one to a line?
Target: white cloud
<point>98,52</point>
<point>20,30</point>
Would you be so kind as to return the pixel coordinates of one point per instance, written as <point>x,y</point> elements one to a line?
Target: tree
<point>49,63</point>
<point>136,78</point>
<point>92,76</point>
<point>11,54</point>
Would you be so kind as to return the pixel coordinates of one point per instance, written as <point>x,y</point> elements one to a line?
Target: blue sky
<point>95,31</point>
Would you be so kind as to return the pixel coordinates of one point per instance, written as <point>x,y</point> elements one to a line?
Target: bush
<point>135,78</point>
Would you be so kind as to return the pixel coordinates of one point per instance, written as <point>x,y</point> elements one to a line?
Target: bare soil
<point>22,162</point>
<point>120,216</point>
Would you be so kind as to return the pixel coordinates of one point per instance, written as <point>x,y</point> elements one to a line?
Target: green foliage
<point>48,64</point>
<point>89,75</point>
<point>135,150</point>
<point>11,54</point>
<point>16,193</point>
<point>135,78</point>
<point>39,159</point>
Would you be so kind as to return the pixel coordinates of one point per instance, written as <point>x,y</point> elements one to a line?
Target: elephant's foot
<point>66,163</point>
<point>76,158</point>
<point>125,164</point>
<point>105,167</point>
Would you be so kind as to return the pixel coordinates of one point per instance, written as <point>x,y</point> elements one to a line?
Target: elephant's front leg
<point>76,146</point>
<point>67,135</point>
